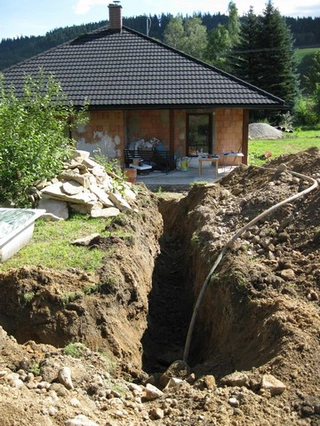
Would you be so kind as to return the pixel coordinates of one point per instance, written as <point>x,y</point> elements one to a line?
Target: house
<point>141,91</point>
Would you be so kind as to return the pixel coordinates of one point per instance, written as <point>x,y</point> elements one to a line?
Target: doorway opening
<point>199,134</point>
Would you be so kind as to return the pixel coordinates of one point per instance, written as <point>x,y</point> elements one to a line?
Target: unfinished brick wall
<point>104,131</point>
<point>112,131</point>
<point>148,124</point>
<point>229,131</point>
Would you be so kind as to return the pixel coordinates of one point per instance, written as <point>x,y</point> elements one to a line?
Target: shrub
<point>34,136</point>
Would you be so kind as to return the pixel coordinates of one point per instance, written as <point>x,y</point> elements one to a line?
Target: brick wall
<point>229,131</point>
<point>104,131</point>
<point>111,131</point>
<point>146,124</point>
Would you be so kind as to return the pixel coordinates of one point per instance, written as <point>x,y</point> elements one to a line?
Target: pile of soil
<point>264,131</point>
<point>254,354</point>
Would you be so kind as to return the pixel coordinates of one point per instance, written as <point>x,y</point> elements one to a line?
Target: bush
<point>304,112</point>
<point>34,136</point>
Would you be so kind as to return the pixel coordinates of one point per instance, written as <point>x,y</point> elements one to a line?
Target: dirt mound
<point>255,348</point>
<point>264,131</point>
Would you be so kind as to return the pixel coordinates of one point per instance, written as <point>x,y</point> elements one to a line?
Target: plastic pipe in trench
<point>229,244</point>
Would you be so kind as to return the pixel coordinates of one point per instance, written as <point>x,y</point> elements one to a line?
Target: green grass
<point>50,245</point>
<point>290,144</point>
<point>301,53</point>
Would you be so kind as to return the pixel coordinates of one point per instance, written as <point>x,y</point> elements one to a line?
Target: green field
<point>290,144</point>
<point>301,53</point>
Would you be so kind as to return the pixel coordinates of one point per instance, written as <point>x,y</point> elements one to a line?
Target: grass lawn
<point>290,144</point>
<point>50,245</point>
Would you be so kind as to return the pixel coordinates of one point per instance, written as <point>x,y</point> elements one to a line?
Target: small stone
<point>80,420</point>
<point>136,389</point>
<point>53,411</point>
<point>235,379</point>
<point>173,382</point>
<point>210,381</point>
<point>178,369</point>
<point>234,402</point>
<point>75,402</point>
<point>59,389</point>
<point>14,380</point>
<point>287,274</point>
<point>270,383</point>
<point>64,377</point>
<point>152,392</point>
<point>157,413</point>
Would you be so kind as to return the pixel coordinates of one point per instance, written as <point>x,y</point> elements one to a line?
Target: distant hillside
<point>306,32</point>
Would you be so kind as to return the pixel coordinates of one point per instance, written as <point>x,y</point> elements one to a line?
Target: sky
<point>36,17</point>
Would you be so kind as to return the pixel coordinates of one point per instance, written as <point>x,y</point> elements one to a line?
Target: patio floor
<point>178,181</point>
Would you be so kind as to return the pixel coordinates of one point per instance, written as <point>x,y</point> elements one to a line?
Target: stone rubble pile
<point>85,187</point>
<point>96,394</point>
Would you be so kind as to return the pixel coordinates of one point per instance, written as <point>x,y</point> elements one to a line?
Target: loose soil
<point>129,322</point>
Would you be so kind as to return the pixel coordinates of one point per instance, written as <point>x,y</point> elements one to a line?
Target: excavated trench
<point>232,332</point>
<point>170,307</point>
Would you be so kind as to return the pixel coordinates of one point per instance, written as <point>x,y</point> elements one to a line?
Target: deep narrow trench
<point>170,307</point>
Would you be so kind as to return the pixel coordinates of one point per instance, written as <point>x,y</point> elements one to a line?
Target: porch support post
<point>245,132</point>
<point>171,131</point>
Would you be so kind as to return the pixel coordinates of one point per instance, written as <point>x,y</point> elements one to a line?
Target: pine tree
<point>276,59</point>
<point>265,55</point>
<point>244,58</point>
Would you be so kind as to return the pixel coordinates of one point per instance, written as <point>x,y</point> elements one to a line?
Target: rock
<point>56,192</point>
<point>80,154</point>
<point>119,201</point>
<point>173,383</point>
<point>287,275</point>
<point>55,207</point>
<point>235,379</point>
<point>178,369</point>
<point>84,186</point>
<point>263,131</point>
<point>85,241</point>
<point>273,385</point>
<point>80,420</point>
<point>86,208</point>
<point>64,377</point>
<point>102,196</point>
<point>14,380</point>
<point>152,392</point>
<point>135,389</point>
<point>72,188</point>
<point>156,413</point>
<point>129,194</point>
<point>71,175</point>
<point>210,382</point>
<point>59,389</point>
<point>234,402</point>
<point>109,212</point>
<point>206,382</point>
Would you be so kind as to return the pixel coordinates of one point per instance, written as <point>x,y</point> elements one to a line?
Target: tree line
<point>259,49</point>
<point>305,31</point>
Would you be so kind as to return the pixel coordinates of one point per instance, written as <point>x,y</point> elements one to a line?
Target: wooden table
<point>211,160</point>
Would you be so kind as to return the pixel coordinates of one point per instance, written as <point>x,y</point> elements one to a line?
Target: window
<point>199,134</point>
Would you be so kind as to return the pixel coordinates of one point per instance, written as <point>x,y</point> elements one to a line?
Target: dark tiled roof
<point>127,69</point>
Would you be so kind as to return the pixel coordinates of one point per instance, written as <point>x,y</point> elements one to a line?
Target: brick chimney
<point>115,16</point>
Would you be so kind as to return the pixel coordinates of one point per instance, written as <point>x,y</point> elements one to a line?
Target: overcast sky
<point>36,17</point>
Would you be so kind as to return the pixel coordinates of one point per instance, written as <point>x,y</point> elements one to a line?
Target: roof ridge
<point>126,68</point>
